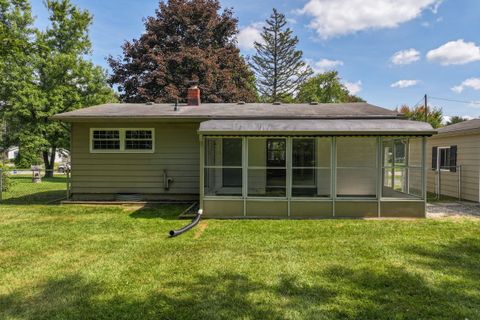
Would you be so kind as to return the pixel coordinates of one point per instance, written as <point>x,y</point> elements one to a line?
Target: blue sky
<point>391,52</point>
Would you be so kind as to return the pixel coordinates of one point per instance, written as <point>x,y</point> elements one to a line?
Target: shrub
<point>6,182</point>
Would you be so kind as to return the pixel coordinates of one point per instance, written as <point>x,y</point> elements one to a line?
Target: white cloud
<point>473,83</point>
<point>353,87</point>
<point>446,119</point>
<point>455,52</point>
<point>332,18</point>
<point>324,65</point>
<point>404,83</point>
<point>405,56</point>
<point>250,34</point>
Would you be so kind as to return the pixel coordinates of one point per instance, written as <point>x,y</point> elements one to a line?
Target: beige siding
<point>468,157</point>
<point>176,150</point>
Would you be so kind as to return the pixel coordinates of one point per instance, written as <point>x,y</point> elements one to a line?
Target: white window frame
<point>122,141</point>
<point>439,160</point>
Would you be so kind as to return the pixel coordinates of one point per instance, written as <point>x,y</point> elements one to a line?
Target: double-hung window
<point>107,139</point>
<point>126,140</point>
<point>444,158</point>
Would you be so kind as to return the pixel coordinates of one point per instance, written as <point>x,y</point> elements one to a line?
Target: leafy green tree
<point>325,88</point>
<point>16,70</point>
<point>62,80</point>
<point>186,40</point>
<point>278,65</point>
<point>434,115</point>
<point>455,119</point>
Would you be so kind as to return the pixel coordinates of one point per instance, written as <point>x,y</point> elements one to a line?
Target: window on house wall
<point>122,140</point>
<point>444,158</point>
<point>106,139</point>
<point>223,167</point>
<point>138,140</point>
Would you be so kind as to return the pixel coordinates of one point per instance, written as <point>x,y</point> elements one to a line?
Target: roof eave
<point>325,133</point>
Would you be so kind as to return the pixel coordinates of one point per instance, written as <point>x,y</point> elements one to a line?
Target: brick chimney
<point>193,96</point>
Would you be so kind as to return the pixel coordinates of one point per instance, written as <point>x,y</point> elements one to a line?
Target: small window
<point>138,140</point>
<point>121,140</point>
<point>444,158</point>
<point>106,140</point>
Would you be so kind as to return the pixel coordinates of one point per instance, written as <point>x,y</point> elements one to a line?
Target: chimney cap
<point>193,96</point>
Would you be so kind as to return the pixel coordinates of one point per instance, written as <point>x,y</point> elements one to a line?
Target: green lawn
<point>23,191</point>
<point>86,262</point>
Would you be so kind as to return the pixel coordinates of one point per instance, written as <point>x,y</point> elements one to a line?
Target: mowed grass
<point>23,191</point>
<point>87,262</point>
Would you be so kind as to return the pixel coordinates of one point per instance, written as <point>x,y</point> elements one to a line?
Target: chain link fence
<point>33,186</point>
<point>455,183</point>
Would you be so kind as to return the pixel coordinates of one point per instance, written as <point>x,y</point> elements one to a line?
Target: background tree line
<point>45,72</point>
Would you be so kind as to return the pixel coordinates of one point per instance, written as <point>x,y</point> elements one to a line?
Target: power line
<point>416,104</point>
<point>454,100</point>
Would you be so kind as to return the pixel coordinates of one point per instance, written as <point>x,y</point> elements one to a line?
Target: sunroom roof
<point>306,126</point>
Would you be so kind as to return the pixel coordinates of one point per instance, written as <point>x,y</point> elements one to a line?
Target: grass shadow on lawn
<point>23,191</point>
<point>159,211</point>
<point>44,197</point>
<point>336,292</point>
<point>405,294</point>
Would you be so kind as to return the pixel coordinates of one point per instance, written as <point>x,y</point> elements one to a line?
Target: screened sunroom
<point>312,169</point>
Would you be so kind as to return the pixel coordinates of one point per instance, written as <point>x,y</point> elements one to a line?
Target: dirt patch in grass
<point>201,228</point>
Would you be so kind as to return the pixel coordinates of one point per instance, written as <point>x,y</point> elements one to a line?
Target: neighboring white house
<point>455,161</point>
<point>61,156</point>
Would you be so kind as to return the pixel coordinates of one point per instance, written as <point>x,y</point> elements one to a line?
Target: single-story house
<point>253,160</point>
<point>455,161</point>
<point>61,155</point>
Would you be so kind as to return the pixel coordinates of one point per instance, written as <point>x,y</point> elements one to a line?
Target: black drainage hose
<point>174,233</point>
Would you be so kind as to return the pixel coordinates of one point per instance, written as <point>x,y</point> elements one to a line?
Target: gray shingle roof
<point>469,125</point>
<point>229,111</point>
<point>308,126</point>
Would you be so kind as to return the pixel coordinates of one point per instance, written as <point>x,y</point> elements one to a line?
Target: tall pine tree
<point>185,40</point>
<point>278,65</point>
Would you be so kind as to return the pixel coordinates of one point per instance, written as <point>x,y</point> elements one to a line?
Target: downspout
<point>196,219</point>
<point>174,233</point>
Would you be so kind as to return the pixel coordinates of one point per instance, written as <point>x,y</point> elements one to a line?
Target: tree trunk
<point>49,160</point>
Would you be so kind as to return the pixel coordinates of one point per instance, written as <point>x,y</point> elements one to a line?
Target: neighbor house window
<point>121,140</point>
<point>444,158</point>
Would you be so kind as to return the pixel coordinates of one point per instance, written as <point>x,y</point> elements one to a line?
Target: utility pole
<point>426,108</point>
